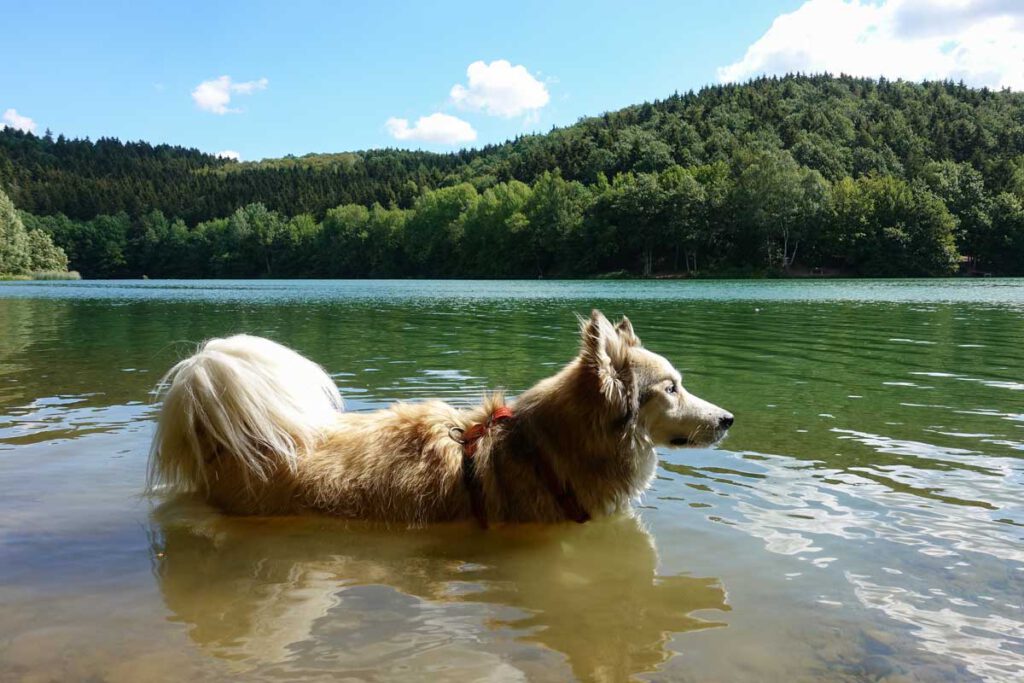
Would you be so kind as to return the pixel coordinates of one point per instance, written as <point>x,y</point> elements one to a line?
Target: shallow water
<point>863,521</point>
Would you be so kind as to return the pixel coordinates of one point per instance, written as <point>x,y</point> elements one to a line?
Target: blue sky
<point>330,76</point>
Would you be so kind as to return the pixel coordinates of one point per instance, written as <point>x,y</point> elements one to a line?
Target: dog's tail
<point>244,398</point>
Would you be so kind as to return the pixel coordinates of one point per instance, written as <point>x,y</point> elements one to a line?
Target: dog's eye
<point>671,388</point>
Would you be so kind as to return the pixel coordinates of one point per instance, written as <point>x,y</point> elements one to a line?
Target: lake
<point>863,521</point>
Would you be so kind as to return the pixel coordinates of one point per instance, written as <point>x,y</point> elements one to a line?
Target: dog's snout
<point>726,421</point>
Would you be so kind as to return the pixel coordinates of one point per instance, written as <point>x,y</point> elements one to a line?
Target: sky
<point>257,80</point>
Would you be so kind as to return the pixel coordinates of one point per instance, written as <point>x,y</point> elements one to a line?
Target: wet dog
<point>256,428</point>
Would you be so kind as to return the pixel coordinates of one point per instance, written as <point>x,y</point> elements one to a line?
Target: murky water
<point>864,520</point>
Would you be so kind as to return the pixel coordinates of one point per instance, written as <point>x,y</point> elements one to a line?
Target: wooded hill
<point>862,176</point>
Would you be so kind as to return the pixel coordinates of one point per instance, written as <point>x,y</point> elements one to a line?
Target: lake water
<point>863,521</point>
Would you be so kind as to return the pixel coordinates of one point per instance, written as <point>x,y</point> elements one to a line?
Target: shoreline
<point>660,277</point>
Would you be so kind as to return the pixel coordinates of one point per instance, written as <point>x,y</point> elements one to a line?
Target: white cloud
<point>438,128</point>
<point>215,94</point>
<point>228,154</point>
<point>12,119</point>
<point>500,89</point>
<point>978,41</point>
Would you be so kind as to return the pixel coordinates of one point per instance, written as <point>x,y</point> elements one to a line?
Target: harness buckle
<point>455,434</point>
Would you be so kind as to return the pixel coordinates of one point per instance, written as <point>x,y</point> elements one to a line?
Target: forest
<point>792,175</point>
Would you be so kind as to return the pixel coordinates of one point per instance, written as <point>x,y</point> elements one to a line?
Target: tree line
<point>683,219</point>
<point>868,177</point>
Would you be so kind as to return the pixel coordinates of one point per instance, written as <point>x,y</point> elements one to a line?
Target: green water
<point>863,520</point>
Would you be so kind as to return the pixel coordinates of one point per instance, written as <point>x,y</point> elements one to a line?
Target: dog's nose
<point>726,421</point>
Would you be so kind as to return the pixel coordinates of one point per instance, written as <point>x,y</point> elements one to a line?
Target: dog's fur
<point>258,429</point>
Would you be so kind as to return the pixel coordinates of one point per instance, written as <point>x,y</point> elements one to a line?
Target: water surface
<point>863,521</point>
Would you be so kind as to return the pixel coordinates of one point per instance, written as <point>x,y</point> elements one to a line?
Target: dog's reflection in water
<point>274,591</point>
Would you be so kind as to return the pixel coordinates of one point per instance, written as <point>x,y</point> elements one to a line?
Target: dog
<point>255,428</point>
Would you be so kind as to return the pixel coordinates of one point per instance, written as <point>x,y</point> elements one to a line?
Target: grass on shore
<point>45,275</point>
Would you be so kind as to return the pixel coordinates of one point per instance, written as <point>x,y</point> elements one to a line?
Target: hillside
<point>863,176</point>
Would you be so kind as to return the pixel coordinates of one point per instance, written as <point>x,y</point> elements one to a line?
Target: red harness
<point>470,440</point>
<point>471,437</point>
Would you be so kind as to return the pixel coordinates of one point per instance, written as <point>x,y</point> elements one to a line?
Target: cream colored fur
<point>257,429</point>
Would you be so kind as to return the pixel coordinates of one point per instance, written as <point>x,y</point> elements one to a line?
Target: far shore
<point>829,274</point>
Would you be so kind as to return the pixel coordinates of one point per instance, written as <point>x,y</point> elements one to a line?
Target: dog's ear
<point>625,330</point>
<point>606,353</point>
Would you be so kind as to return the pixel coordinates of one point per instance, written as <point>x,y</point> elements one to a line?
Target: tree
<point>684,213</point>
<point>43,255</point>
<point>342,235</point>
<point>434,232</point>
<point>1003,247</point>
<point>259,234</point>
<point>778,202</point>
<point>716,217</point>
<point>147,243</point>
<point>494,230</point>
<point>14,240</point>
<point>641,151</point>
<point>634,208</point>
<point>962,189</point>
<point>102,246</point>
<point>24,251</point>
<point>385,229</point>
<point>554,214</point>
<point>887,227</point>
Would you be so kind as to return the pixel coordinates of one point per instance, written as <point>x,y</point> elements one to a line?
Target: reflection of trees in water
<point>24,323</point>
<point>261,590</point>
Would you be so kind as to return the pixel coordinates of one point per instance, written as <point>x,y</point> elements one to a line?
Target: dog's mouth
<point>700,441</point>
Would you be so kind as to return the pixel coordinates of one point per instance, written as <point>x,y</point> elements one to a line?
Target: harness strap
<point>563,493</point>
<point>476,491</point>
<point>470,440</point>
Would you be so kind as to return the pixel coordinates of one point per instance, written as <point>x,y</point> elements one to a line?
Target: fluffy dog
<point>257,429</point>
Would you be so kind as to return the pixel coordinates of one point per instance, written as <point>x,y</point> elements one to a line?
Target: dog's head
<point>645,389</point>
